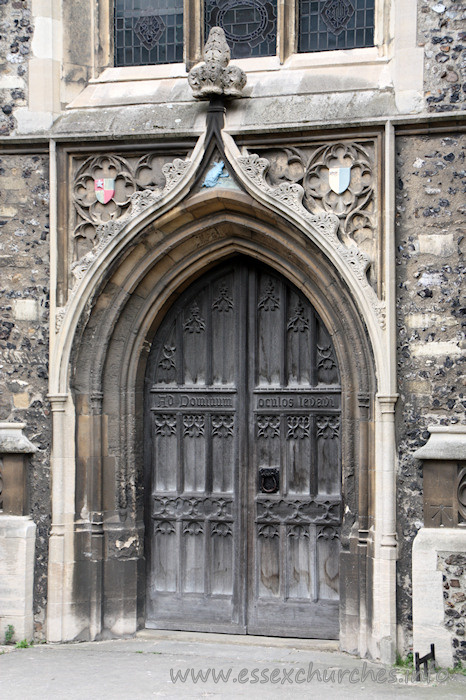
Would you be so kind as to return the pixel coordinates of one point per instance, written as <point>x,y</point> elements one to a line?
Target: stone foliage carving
<point>59,316</point>
<point>289,194</point>
<point>309,168</point>
<point>139,182</point>
<point>214,76</point>
<point>337,220</point>
<point>354,206</point>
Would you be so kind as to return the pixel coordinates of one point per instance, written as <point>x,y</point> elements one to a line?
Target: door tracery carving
<point>250,429</point>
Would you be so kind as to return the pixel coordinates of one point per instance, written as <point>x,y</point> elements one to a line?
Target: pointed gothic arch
<point>109,350</point>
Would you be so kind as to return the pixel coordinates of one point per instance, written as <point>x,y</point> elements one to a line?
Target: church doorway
<point>243,460</point>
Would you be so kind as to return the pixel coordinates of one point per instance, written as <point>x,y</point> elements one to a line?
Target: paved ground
<point>185,665</point>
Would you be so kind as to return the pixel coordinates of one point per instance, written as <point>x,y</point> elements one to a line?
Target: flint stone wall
<point>431,318</point>
<point>442,32</point>
<point>453,568</point>
<point>24,317</point>
<point>16,31</point>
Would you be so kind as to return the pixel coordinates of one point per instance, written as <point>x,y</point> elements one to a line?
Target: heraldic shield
<point>104,189</point>
<point>339,179</point>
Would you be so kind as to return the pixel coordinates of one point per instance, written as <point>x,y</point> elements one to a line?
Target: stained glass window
<point>250,26</point>
<point>326,25</point>
<point>148,32</point>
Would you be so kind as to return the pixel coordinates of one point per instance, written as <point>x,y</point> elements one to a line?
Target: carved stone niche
<point>444,470</point>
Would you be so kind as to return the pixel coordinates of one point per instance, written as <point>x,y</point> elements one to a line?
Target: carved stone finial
<point>215,76</point>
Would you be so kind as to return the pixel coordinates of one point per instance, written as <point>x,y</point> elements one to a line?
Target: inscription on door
<point>242,457</point>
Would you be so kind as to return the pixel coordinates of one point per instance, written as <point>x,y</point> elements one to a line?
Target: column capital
<point>387,402</point>
<point>57,401</point>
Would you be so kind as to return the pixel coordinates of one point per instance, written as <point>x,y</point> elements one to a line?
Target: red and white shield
<point>104,189</point>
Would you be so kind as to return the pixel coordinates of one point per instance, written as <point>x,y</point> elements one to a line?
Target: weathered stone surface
<point>215,76</point>
<point>445,443</point>
<point>17,539</point>
<point>441,30</point>
<point>12,440</point>
<point>438,614</point>
<point>431,181</point>
<point>24,275</point>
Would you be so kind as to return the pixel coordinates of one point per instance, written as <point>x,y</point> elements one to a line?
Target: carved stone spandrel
<point>139,182</point>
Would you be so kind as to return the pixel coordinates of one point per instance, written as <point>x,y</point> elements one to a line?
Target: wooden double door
<point>242,449</point>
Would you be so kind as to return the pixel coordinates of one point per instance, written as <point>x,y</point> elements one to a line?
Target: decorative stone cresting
<point>290,196</point>
<point>214,76</point>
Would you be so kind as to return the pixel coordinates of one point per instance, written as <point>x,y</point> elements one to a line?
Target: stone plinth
<point>17,544</point>
<point>429,618</point>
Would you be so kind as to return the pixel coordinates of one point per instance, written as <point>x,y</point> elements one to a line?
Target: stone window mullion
<point>193,32</point>
<point>287,28</point>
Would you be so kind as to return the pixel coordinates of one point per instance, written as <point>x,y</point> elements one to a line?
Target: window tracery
<point>169,31</point>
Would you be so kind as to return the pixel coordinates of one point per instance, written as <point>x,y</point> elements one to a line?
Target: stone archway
<point>108,365</point>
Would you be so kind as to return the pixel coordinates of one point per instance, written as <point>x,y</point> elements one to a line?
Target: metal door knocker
<point>269,480</point>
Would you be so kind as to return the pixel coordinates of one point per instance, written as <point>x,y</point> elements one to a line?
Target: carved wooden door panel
<point>243,461</point>
<point>294,476</point>
<point>196,560</point>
